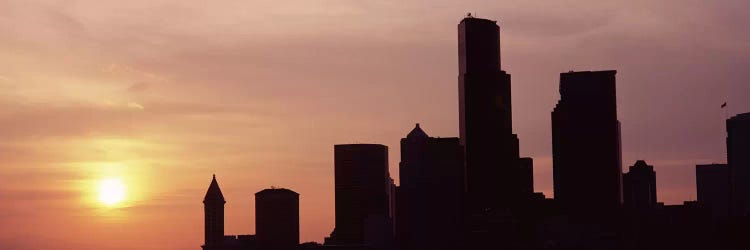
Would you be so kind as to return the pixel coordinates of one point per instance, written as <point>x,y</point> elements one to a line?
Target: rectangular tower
<point>431,192</point>
<point>712,183</point>
<point>362,189</point>
<point>639,186</point>
<point>491,148</point>
<point>587,169</point>
<point>738,157</point>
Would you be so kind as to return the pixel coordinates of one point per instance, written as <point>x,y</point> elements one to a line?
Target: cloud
<point>135,105</point>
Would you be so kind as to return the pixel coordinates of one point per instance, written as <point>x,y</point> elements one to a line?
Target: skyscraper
<point>738,156</point>
<point>587,167</point>
<point>713,186</point>
<point>639,186</point>
<point>431,192</point>
<point>485,123</point>
<point>213,209</point>
<point>362,202</point>
<point>277,218</point>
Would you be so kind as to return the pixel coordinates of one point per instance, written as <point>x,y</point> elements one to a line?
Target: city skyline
<point>122,130</point>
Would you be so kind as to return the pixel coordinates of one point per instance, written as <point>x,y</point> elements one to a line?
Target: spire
<point>417,132</point>
<point>214,192</point>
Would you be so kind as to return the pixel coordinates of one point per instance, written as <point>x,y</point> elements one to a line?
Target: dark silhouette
<point>738,159</point>
<point>431,194</point>
<point>639,186</point>
<point>213,209</point>
<point>587,168</point>
<point>277,218</point>
<point>475,192</point>
<point>363,209</point>
<point>712,183</point>
<point>485,122</point>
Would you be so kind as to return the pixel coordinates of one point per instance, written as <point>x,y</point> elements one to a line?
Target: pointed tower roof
<point>417,132</point>
<point>214,192</point>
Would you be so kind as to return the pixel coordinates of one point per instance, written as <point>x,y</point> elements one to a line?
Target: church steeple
<point>213,205</point>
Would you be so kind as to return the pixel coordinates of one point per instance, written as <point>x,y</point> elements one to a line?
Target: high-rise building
<point>587,166</point>
<point>485,123</point>
<point>526,168</point>
<point>712,182</point>
<point>277,219</point>
<point>431,192</point>
<point>362,203</point>
<point>213,209</point>
<point>639,186</point>
<point>738,157</point>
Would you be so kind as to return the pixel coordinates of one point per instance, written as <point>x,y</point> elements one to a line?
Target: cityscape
<point>476,191</point>
<point>374,125</point>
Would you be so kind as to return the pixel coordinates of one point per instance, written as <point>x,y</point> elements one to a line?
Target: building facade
<point>639,186</point>
<point>362,202</point>
<point>587,167</point>
<point>485,118</point>
<point>738,159</point>
<point>277,219</point>
<point>432,191</point>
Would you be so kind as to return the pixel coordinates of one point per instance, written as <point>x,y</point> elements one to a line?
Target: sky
<point>161,94</point>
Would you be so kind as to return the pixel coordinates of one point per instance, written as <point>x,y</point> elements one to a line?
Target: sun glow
<point>111,191</point>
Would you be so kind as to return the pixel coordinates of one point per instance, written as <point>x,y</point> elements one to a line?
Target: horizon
<point>151,98</point>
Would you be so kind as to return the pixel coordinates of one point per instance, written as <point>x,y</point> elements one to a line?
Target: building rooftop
<point>214,192</point>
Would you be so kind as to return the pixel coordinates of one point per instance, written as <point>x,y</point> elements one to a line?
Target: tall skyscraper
<point>431,192</point>
<point>587,166</point>
<point>639,186</point>
<point>362,202</point>
<point>277,218</point>
<point>713,186</point>
<point>485,122</point>
<point>213,209</point>
<point>738,156</point>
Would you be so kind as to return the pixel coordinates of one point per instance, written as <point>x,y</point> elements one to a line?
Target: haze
<point>162,94</point>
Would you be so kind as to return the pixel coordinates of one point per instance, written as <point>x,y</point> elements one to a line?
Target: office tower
<point>712,182</point>
<point>587,168</point>
<point>213,209</point>
<point>526,168</point>
<point>639,186</point>
<point>277,218</point>
<point>362,202</point>
<point>431,192</point>
<point>738,156</point>
<point>491,148</point>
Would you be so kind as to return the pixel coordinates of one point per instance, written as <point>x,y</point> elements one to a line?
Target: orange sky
<point>162,93</point>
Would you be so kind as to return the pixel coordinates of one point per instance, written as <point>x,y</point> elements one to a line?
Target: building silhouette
<point>526,170</point>
<point>475,192</point>
<point>277,219</point>
<point>639,186</point>
<point>485,117</point>
<point>738,159</point>
<point>431,193</point>
<point>363,208</point>
<point>213,209</point>
<point>713,186</point>
<point>587,168</point>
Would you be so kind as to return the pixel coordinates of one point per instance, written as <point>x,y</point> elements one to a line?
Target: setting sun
<point>111,191</point>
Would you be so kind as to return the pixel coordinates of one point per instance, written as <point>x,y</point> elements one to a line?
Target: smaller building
<point>277,218</point>
<point>712,182</point>
<point>639,186</point>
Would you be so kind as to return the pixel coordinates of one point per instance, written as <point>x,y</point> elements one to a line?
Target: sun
<point>111,191</point>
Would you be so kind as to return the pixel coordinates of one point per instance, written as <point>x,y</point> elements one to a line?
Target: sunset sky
<point>158,95</point>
